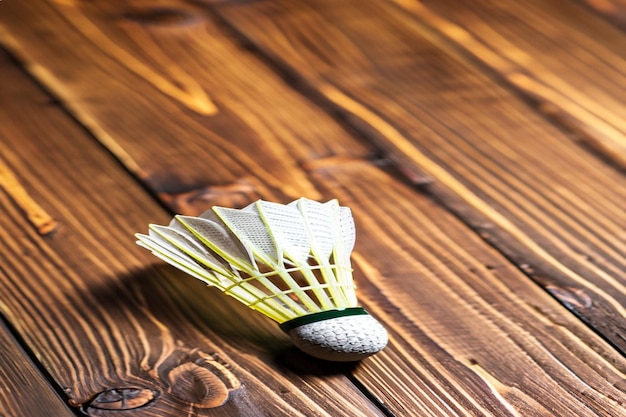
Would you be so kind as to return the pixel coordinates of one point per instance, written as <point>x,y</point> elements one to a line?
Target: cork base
<point>340,339</point>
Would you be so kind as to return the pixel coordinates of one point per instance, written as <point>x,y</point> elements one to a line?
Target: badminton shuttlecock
<point>290,262</point>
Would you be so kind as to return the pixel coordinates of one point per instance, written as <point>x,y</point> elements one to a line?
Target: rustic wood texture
<point>452,306</point>
<point>480,193</point>
<point>130,49</point>
<point>516,178</point>
<point>450,302</point>
<point>23,390</point>
<point>551,51</point>
<point>113,331</point>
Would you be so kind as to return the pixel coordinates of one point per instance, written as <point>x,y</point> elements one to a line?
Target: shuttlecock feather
<point>289,262</point>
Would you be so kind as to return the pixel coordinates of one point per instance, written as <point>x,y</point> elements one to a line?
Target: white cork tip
<point>340,339</point>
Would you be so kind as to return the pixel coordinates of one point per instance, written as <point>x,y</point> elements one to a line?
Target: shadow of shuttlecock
<point>233,321</point>
<point>294,360</point>
<point>182,303</point>
<point>250,330</point>
<point>168,292</point>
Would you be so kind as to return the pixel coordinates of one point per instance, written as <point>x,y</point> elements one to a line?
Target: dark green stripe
<point>322,315</point>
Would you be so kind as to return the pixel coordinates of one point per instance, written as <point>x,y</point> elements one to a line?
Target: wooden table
<point>481,146</point>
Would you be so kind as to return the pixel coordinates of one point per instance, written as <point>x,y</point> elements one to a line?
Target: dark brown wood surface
<point>23,390</point>
<point>465,196</point>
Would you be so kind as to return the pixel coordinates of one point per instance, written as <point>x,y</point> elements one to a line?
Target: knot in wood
<point>197,385</point>
<point>193,201</point>
<point>122,399</point>
<point>197,378</point>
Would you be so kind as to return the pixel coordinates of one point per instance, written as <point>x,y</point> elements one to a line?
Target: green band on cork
<point>321,316</point>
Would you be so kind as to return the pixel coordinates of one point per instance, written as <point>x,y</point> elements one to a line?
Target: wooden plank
<point>115,332</point>
<point>469,334</point>
<point>548,205</point>
<point>23,390</point>
<point>168,63</point>
<point>567,60</point>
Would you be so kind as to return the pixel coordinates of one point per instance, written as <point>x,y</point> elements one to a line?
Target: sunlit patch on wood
<point>36,215</point>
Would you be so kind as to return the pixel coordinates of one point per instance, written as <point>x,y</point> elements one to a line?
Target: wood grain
<point>36,215</point>
<point>469,334</point>
<point>115,332</point>
<point>23,390</point>
<point>547,205</point>
<point>554,52</point>
<point>143,66</point>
